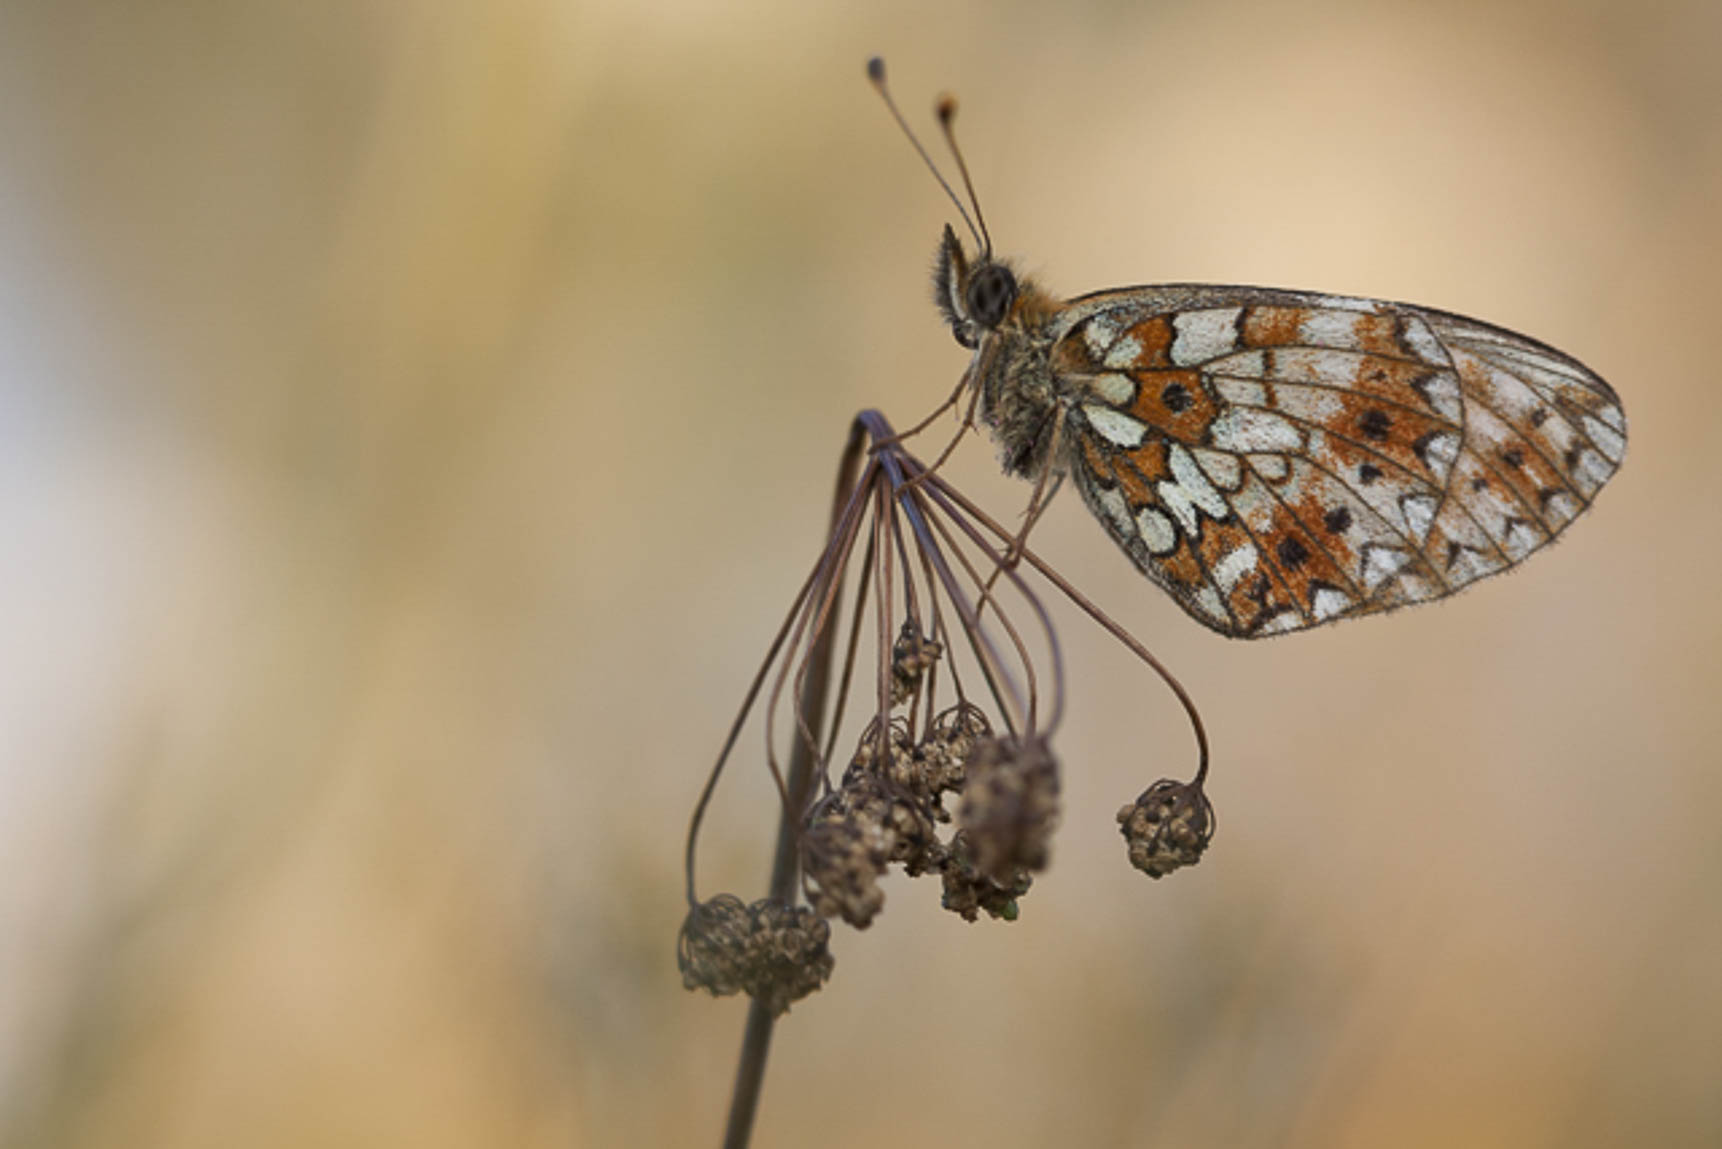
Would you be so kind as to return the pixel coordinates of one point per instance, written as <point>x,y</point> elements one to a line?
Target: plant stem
<point>756,1041</point>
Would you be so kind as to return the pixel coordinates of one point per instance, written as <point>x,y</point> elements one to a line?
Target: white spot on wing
<point>1592,466</point>
<point>1234,566</point>
<point>1323,366</point>
<point>1190,477</point>
<point>1421,340</point>
<point>1177,500</point>
<point>1419,513</point>
<point>1115,426</point>
<point>1124,352</point>
<point>1204,335</point>
<point>1518,539</point>
<point>1561,507</point>
<point>1440,453</point>
<point>1380,564</point>
<point>1328,602</point>
<point>1224,469</point>
<point>1114,507</point>
<point>1099,334</point>
<point>1614,418</point>
<point>1243,364</point>
<point>1243,392</point>
<point>1270,467</point>
<point>1157,531</point>
<point>1247,431</point>
<point>1208,599</point>
<point>1607,439</point>
<point>1116,389</point>
<point>1329,329</point>
<point>1311,404</point>
<point>1442,390</point>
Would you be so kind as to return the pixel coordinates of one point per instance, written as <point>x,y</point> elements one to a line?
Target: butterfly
<point>1278,460</point>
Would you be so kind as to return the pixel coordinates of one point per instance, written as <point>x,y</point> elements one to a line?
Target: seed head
<point>912,655</point>
<point>1167,827</point>
<point>968,891</point>
<point>776,953</point>
<point>1009,806</point>
<point>842,859</point>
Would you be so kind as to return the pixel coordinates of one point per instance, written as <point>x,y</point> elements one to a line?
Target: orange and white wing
<point>1277,460</point>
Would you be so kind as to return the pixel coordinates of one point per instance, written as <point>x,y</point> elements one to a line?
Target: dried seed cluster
<point>1010,806</point>
<point>773,952</point>
<point>1167,827</point>
<point>912,655</point>
<point>890,804</point>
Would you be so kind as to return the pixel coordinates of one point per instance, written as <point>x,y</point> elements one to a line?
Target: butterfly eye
<point>991,291</point>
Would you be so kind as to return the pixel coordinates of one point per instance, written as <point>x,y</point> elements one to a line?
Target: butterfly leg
<point>1046,485</point>
<point>967,426</point>
<point>900,436</point>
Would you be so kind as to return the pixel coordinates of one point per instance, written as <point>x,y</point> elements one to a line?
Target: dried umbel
<point>775,953</point>
<point>916,622</point>
<point>1167,827</point>
<point>1010,806</point>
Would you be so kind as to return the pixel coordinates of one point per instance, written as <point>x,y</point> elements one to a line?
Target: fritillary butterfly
<point>1277,460</point>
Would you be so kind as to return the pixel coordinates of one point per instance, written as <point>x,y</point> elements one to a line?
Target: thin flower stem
<point>943,491</point>
<point>815,622</point>
<point>756,1041</point>
<point>1014,711</point>
<point>844,681</point>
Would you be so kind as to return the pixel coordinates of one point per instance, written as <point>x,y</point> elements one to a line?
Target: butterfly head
<point>975,298</point>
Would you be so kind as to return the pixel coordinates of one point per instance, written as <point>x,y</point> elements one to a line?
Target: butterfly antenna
<point>947,110</point>
<point>876,73</point>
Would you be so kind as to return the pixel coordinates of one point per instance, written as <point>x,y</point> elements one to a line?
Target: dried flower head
<point>968,891</point>
<point>842,857</point>
<point>1167,827</point>
<point>777,954</point>
<point>916,622</point>
<point>1010,805</point>
<point>912,656</point>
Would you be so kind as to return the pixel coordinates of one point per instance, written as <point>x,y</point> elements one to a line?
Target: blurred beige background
<point>414,418</point>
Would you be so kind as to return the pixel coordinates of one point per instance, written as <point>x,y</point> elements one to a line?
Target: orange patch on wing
<point>1366,429</point>
<point>1298,558</point>
<point>1155,335</point>
<point>1176,402</point>
<point>1254,596</point>
<point>1095,459</point>
<point>1379,335</point>
<point>1181,568</point>
<point>1150,460</point>
<point>1130,471</point>
<point>1272,326</point>
<point>1525,471</point>
<point>1311,512</point>
<point>1392,379</point>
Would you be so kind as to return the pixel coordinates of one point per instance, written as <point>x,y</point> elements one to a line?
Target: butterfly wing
<point>1277,460</point>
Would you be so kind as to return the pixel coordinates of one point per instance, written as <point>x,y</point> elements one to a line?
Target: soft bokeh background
<point>414,418</point>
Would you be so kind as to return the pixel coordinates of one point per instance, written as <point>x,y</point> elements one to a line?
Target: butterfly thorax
<point>1019,392</point>
<point>1008,321</point>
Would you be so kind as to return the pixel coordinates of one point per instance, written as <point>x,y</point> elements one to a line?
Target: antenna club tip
<point>876,69</point>
<point>946,108</point>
